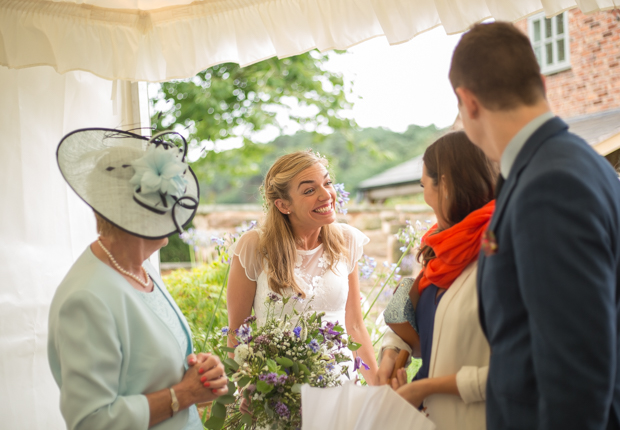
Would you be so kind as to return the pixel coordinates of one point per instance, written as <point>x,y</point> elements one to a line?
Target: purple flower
<point>270,378</point>
<point>274,297</point>
<point>314,345</point>
<point>358,364</point>
<point>244,333</point>
<point>282,379</point>
<point>330,366</point>
<point>281,410</point>
<point>297,331</point>
<point>262,339</point>
<point>249,320</point>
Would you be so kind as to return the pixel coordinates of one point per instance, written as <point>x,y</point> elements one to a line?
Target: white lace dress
<point>328,288</point>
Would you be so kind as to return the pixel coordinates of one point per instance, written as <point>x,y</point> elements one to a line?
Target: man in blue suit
<point>548,274</point>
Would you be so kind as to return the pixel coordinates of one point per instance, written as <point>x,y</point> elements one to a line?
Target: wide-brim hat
<point>141,185</point>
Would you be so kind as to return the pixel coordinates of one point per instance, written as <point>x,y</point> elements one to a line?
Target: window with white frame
<point>549,37</point>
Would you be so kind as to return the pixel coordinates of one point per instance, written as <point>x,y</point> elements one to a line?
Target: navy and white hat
<point>143,186</point>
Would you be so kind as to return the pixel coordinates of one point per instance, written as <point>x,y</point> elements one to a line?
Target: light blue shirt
<point>106,347</point>
<point>516,143</point>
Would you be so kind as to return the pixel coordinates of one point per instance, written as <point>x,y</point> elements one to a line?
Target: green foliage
<point>353,155</point>
<point>196,292</point>
<point>230,101</point>
<point>176,251</point>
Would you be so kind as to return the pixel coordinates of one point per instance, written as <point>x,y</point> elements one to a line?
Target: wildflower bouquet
<point>272,361</point>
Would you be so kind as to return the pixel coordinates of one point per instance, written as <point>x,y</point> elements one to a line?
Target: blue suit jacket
<point>549,296</point>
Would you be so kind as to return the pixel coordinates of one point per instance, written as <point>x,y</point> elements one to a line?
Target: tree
<point>227,101</point>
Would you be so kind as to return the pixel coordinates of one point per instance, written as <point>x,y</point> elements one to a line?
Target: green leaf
<point>214,423</point>
<point>296,369</point>
<point>304,368</point>
<point>338,328</point>
<point>218,409</point>
<point>246,419</point>
<point>226,399</point>
<point>243,381</point>
<point>227,349</point>
<point>231,387</point>
<point>286,362</point>
<point>263,387</point>
<point>354,346</point>
<point>231,363</point>
<point>296,388</point>
<point>271,365</point>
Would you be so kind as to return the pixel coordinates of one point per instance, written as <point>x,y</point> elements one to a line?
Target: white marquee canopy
<point>159,40</point>
<point>83,63</point>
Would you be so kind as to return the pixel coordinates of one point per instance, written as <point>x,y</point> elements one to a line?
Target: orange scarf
<point>454,248</point>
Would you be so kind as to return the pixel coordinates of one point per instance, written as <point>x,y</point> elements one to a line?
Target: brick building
<point>580,56</point>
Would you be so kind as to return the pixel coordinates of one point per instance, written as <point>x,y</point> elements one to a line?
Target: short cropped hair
<point>497,64</point>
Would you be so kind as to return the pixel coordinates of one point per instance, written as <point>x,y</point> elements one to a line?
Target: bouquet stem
<point>217,306</point>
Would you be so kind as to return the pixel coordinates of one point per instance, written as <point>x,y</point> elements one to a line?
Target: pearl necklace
<point>145,284</point>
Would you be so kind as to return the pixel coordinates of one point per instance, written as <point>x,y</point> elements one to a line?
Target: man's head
<point>495,66</point>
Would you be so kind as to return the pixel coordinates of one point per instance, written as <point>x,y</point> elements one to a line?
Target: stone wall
<point>379,223</point>
<point>592,84</point>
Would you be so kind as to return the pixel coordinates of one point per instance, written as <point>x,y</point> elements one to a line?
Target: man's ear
<point>544,82</point>
<point>282,206</point>
<point>468,102</point>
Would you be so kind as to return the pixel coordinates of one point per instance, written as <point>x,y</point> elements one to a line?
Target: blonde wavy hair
<point>277,243</point>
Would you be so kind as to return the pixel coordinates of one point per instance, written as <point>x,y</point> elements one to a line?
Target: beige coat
<point>460,347</point>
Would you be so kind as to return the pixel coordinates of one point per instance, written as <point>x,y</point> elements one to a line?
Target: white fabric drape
<point>44,227</point>
<point>177,40</point>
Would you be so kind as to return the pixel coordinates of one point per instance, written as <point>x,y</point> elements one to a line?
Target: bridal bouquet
<point>272,361</point>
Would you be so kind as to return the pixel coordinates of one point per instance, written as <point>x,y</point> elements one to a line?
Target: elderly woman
<point>301,250</point>
<point>119,347</point>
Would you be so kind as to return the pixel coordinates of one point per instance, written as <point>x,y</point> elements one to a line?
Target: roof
<point>406,173</point>
<point>597,127</point>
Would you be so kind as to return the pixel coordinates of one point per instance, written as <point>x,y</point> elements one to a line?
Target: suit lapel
<point>531,146</point>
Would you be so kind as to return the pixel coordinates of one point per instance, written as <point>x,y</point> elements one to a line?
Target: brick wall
<point>593,82</point>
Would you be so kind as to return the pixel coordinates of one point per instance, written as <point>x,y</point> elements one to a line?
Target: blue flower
<point>160,170</point>
<point>330,366</point>
<point>224,331</point>
<point>218,240</point>
<point>244,333</point>
<point>297,331</point>
<point>314,345</point>
<point>342,198</point>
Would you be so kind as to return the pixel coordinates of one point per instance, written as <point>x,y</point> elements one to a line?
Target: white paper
<point>353,407</point>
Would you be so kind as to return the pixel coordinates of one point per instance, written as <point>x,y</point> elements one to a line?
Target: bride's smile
<point>312,200</point>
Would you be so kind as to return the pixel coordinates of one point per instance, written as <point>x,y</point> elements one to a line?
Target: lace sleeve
<point>246,249</point>
<point>355,241</point>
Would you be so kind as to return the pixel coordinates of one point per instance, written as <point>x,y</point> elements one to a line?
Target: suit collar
<point>531,146</point>
<point>516,143</point>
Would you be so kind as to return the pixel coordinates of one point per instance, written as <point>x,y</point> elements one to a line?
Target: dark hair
<point>496,62</point>
<point>468,178</point>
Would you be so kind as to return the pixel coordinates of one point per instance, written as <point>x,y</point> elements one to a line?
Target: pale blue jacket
<point>106,348</point>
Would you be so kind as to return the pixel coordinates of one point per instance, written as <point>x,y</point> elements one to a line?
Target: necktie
<point>499,185</point>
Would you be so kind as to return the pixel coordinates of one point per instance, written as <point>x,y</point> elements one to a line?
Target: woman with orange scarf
<point>450,386</point>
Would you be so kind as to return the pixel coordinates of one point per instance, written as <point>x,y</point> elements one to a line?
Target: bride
<point>300,250</point>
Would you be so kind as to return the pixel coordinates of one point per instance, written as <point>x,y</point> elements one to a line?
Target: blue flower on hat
<point>159,170</point>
